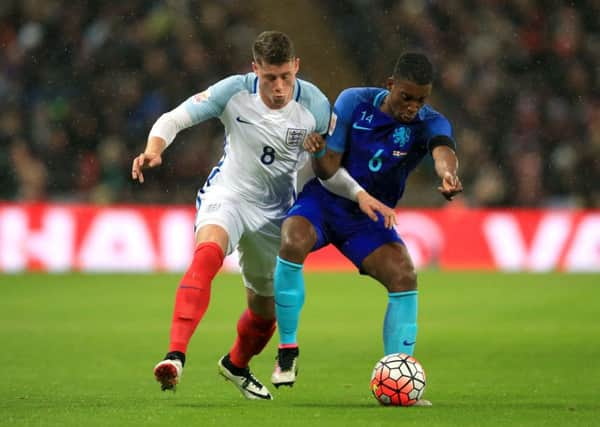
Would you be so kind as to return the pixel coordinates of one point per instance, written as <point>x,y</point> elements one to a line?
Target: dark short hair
<point>414,67</point>
<point>273,47</point>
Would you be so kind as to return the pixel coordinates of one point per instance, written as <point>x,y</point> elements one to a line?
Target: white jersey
<point>263,147</point>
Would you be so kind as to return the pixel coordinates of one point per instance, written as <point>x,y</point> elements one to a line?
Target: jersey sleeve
<point>322,113</point>
<point>211,103</point>
<point>171,123</point>
<point>317,103</point>
<point>439,127</point>
<point>198,108</point>
<point>341,120</point>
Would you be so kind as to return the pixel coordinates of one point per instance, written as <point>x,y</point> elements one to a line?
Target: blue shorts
<point>340,222</point>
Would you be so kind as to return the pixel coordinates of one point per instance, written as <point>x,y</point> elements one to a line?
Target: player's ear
<point>390,83</point>
<point>255,67</point>
<point>296,64</point>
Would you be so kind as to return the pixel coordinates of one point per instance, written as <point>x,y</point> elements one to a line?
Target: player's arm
<point>196,109</point>
<point>337,180</point>
<point>446,166</point>
<point>161,135</point>
<point>344,185</point>
<point>151,157</point>
<point>324,162</point>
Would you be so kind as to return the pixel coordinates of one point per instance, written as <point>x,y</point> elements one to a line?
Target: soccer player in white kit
<point>267,115</point>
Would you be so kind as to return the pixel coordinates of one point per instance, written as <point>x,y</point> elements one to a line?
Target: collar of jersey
<point>378,100</point>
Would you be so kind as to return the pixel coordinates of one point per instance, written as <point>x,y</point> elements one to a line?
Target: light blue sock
<point>289,299</point>
<point>400,324</point>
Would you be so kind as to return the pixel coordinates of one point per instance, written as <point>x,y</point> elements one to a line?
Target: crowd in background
<point>519,79</point>
<point>82,82</point>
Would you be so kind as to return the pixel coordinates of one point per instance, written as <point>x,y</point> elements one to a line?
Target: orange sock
<point>254,332</point>
<point>193,294</point>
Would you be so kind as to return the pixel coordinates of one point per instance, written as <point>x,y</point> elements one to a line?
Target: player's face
<point>405,99</point>
<point>276,82</point>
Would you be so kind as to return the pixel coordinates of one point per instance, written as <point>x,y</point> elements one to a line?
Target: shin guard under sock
<point>254,332</point>
<point>289,299</point>
<point>193,294</point>
<point>400,324</point>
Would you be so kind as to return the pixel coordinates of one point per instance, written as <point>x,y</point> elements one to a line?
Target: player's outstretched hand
<point>451,186</point>
<point>314,143</point>
<point>144,160</point>
<point>370,206</point>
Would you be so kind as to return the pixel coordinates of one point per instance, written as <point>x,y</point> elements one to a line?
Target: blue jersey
<point>379,151</point>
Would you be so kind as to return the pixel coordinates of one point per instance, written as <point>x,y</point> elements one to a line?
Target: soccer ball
<point>398,380</point>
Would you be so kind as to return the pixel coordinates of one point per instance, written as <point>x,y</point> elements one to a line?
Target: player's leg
<point>298,237</point>
<point>256,325</point>
<point>191,300</point>
<point>218,230</point>
<point>391,265</point>
<point>381,254</point>
<point>254,330</point>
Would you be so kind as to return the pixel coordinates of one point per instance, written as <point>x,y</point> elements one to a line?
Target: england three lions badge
<point>295,137</point>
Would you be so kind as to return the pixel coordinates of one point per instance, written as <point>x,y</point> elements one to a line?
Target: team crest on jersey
<point>294,137</point>
<point>401,136</point>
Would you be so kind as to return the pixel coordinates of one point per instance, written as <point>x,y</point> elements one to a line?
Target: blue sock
<point>400,324</point>
<point>289,299</point>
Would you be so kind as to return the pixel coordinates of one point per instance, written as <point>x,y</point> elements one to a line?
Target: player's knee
<point>296,243</point>
<point>259,296</point>
<point>263,307</point>
<point>405,279</point>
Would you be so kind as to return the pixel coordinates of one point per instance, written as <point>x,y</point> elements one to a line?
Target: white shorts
<point>254,232</point>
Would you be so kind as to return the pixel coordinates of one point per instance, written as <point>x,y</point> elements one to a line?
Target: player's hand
<point>144,160</point>
<point>371,206</point>
<point>451,186</point>
<point>314,143</point>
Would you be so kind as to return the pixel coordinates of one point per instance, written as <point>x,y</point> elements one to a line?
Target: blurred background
<point>81,83</point>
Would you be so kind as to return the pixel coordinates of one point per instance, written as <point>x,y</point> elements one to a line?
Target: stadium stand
<point>81,86</point>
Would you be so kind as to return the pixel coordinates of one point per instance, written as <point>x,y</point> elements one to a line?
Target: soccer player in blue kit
<point>376,138</point>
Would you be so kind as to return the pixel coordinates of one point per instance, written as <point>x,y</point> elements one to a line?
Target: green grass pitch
<point>498,349</point>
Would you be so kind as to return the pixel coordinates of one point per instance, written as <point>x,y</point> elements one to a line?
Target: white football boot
<point>243,379</point>
<point>286,367</point>
<point>168,373</point>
